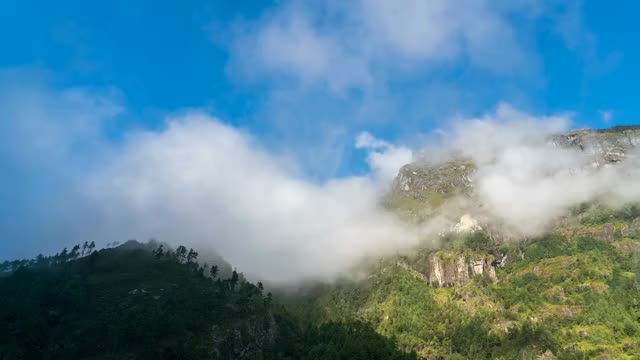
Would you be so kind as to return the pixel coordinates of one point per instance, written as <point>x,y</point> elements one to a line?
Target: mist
<point>204,184</point>
<point>525,181</point>
<point>208,185</point>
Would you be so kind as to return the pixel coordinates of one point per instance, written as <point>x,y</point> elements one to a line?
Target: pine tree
<point>159,252</point>
<point>75,252</point>
<point>181,253</point>
<point>234,279</point>
<point>64,254</point>
<point>193,255</point>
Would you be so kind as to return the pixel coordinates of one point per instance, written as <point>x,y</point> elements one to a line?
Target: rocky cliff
<point>419,190</point>
<point>607,146</point>
<point>419,193</point>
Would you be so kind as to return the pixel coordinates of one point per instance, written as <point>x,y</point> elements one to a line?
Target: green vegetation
<point>572,294</point>
<point>574,298</point>
<point>140,302</point>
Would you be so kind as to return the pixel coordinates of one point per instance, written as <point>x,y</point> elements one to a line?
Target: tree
<point>93,258</point>
<point>213,271</point>
<point>193,255</point>
<point>15,264</point>
<point>91,247</point>
<point>84,248</point>
<point>64,254</point>
<point>234,279</point>
<point>43,311</point>
<point>181,253</point>
<point>158,252</point>
<point>75,252</point>
<point>203,269</point>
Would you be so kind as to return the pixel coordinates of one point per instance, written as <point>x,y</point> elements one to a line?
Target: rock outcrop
<point>447,269</point>
<point>422,192</point>
<point>458,270</point>
<point>605,145</point>
<point>434,182</point>
<point>419,190</point>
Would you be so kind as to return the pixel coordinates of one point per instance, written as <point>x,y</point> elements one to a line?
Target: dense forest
<point>138,301</point>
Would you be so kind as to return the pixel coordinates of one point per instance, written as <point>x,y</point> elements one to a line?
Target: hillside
<point>570,297</point>
<point>138,302</point>
<point>486,292</point>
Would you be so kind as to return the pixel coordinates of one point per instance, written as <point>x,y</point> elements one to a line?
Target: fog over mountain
<point>212,185</point>
<point>202,182</point>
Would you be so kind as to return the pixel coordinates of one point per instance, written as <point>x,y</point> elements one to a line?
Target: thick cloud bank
<point>208,185</point>
<point>525,180</point>
<point>205,184</point>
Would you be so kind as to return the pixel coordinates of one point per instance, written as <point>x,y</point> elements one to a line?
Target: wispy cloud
<point>49,138</point>
<point>384,158</point>
<point>354,45</point>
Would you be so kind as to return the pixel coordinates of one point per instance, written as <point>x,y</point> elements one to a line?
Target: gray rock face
<point>606,145</point>
<point>418,181</point>
<point>419,189</point>
<point>459,270</point>
<point>446,270</point>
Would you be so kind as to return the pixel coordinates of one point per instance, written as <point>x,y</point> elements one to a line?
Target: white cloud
<point>442,30</point>
<point>44,124</point>
<point>289,42</point>
<point>384,158</point>
<point>524,180</point>
<point>211,186</point>
<point>206,184</point>
<point>292,45</point>
<point>351,45</point>
<point>49,139</point>
<point>366,140</point>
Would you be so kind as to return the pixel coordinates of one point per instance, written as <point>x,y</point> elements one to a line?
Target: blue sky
<point>169,56</point>
<point>303,78</point>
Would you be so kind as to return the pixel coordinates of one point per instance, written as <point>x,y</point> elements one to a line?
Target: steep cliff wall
<point>447,268</point>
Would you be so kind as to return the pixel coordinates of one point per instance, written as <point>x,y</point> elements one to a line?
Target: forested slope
<point>142,302</point>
